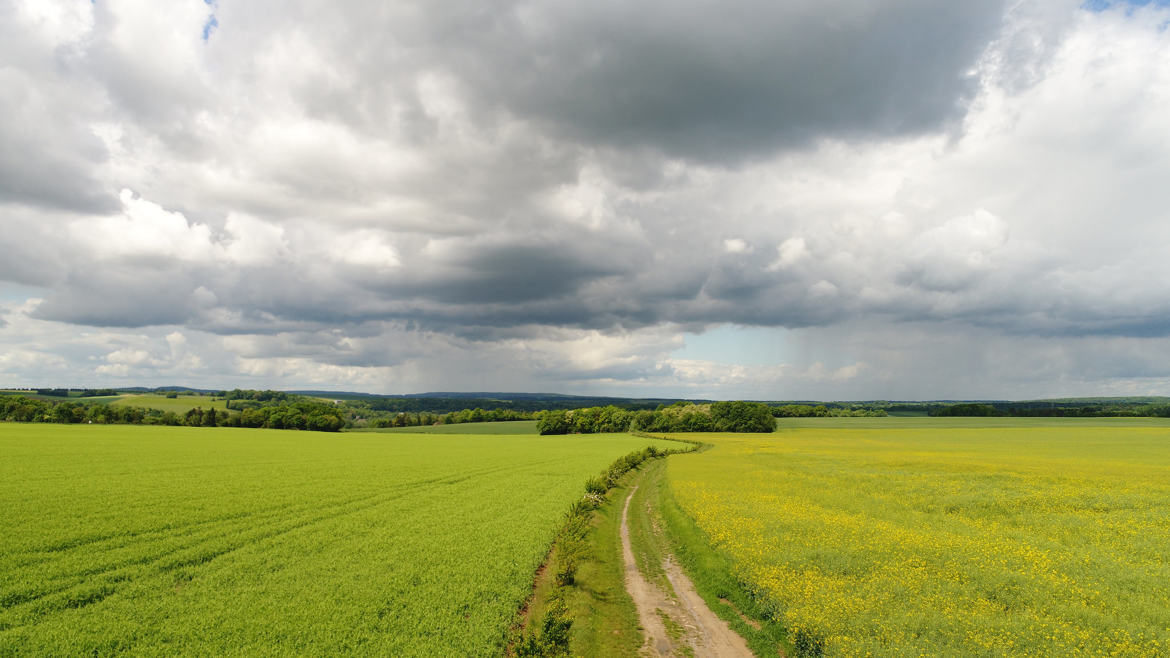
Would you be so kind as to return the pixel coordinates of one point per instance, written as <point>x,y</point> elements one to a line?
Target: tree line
<point>530,404</point>
<point>405,419</point>
<point>301,415</point>
<point>260,409</point>
<point>373,412</point>
<point>1052,410</point>
<point>823,411</point>
<point>735,416</point>
<point>75,392</point>
<point>19,408</point>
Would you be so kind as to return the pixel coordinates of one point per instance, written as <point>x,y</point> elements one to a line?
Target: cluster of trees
<point>73,392</point>
<point>301,415</point>
<point>678,417</point>
<point>1156,410</point>
<point>589,420</point>
<point>239,400</point>
<point>477,415</point>
<point>974,409</point>
<point>823,411</point>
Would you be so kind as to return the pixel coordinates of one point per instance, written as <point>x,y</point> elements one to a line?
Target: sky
<point>829,199</point>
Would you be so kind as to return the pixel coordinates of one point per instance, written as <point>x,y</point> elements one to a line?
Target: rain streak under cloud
<point>836,200</point>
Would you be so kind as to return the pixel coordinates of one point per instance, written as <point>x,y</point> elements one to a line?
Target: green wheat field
<point>192,541</point>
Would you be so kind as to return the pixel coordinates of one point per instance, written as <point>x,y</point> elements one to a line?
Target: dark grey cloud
<point>716,81</point>
<point>125,298</point>
<point>516,273</point>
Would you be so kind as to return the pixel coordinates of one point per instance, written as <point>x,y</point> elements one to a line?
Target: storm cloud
<point>590,198</point>
<point>710,81</point>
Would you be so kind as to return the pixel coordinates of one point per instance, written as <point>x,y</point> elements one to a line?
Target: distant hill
<point>445,402</point>
<point>448,401</point>
<point>164,389</point>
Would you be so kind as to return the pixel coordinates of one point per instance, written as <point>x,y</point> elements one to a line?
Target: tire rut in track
<point>694,629</point>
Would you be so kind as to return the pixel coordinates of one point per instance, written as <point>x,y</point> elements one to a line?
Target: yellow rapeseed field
<point>935,538</point>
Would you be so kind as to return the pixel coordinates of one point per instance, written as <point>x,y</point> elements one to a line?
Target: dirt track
<point>703,633</point>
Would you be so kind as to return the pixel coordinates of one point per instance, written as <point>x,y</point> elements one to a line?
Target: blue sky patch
<point>210,25</point>
<point>738,344</point>
<point>1102,5</point>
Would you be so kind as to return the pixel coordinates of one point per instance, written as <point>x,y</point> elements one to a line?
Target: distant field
<point>179,405</point>
<point>899,536</point>
<point>957,422</point>
<point>502,427</point>
<point>58,398</point>
<point>217,541</point>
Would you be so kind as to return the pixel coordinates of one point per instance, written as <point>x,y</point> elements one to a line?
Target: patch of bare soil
<point>678,625</point>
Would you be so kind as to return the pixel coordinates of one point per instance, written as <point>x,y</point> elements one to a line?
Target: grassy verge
<point>605,622</point>
<point>580,605</point>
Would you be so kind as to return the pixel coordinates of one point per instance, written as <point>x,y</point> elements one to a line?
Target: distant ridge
<point>486,395</point>
<point>498,399</point>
